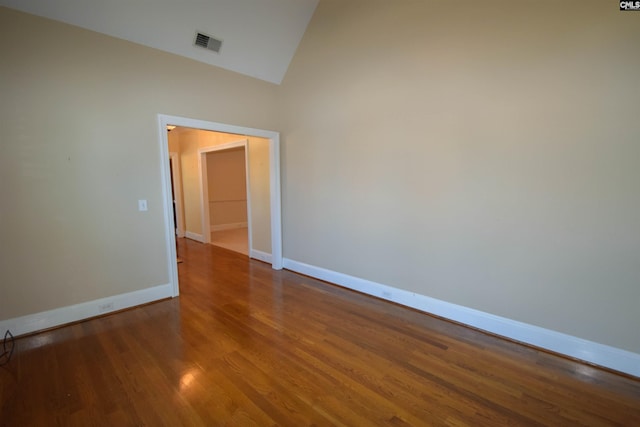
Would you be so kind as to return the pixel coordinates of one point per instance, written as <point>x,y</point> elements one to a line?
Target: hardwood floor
<point>248,346</point>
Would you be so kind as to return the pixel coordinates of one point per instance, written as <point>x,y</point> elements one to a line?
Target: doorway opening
<point>226,194</point>
<point>263,216</point>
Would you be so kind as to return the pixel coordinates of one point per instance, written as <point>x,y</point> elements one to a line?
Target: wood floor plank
<point>245,345</point>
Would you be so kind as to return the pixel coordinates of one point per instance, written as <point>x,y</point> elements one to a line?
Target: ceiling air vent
<point>208,42</point>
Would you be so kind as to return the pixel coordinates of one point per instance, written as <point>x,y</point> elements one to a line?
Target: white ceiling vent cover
<point>208,42</point>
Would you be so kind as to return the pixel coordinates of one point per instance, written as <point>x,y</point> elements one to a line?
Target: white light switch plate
<point>142,205</point>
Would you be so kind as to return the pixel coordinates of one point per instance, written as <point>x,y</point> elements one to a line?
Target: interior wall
<point>481,153</point>
<point>189,140</point>
<point>80,148</point>
<point>259,186</point>
<point>227,186</point>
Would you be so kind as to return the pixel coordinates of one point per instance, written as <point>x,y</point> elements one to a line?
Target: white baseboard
<point>229,226</point>
<point>261,256</point>
<point>73,313</point>
<point>180,233</point>
<point>588,351</point>
<point>194,236</point>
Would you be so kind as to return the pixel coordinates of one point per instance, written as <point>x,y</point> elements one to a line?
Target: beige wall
<point>482,153</point>
<point>227,185</point>
<point>173,140</point>
<point>78,114</point>
<point>189,142</point>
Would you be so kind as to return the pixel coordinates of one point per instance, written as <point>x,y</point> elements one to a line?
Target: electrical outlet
<point>105,307</point>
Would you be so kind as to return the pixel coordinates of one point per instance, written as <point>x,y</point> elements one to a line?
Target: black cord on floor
<point>5,357</point>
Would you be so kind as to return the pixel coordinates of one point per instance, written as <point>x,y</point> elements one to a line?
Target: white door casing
<point>274,185</point>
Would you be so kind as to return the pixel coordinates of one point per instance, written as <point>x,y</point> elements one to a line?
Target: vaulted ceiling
<point>259,37</point>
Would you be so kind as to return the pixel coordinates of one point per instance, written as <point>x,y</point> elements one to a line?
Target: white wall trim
<point>167,207</point>
<point>194,236</point>
<point>589,351</point>
<point>261,256</point>
<point>276,208</point>
<point>73,313</point>
<point>229,226</point>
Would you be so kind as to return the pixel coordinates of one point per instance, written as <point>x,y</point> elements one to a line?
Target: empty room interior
<point>319,212</point>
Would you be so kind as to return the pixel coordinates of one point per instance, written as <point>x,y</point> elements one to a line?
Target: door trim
<point>274,185</point>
